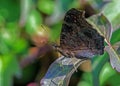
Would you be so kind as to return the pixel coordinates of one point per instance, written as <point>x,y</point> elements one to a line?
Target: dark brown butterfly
<point>78,37</point>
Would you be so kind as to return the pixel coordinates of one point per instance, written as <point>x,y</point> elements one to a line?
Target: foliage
<point>28,27</point>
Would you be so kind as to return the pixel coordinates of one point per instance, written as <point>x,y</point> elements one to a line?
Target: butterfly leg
<point>66,54</point>
<point>72,55</point>
<point>57,48</point>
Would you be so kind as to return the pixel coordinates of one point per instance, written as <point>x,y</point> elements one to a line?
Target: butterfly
<point>78,38</point>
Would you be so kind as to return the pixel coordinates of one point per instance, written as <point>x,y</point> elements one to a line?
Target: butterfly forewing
<point>78,36</point>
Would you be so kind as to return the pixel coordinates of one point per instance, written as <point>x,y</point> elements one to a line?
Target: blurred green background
<point>27,27</point>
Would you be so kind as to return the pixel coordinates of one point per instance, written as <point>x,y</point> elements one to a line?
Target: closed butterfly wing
<point>79,37</point>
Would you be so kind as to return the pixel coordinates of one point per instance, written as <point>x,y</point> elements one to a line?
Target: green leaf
<point>114,80</point>
<point>33,21</point>
<point>10,10</point>
<point>65,4</point>
<point>112,12</point>
<point>46,7</point>
<point>87,76</point>
<point>115,36</point>
<point>55,32</point>
<point>20,46</point>
<point>9,68</point>
<point>83,83</point>
<point>97,64</point>
<point>0,71</point>
<point>2,21</point>
<point>9,36</point>
<point>106,72</point>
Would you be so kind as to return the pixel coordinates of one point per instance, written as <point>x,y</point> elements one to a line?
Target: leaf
<point>114,57</point>
<point>116,28</point>
<point>55,32</point>
<point>98,4</point>
<point>102,25</point>
<point>112,12</point>
<point>0,71</point>
<point>10,10</point>
<point>65,4</point>
<point>83,83</point>
<point>97,65</point>
<point>86,79</point>
<point>116,46</point>
<point>115,36</point>
<point>114,80</point>
<point>9,68</point>
<point>60,71</point>
<point>106,73</point>
<point>25,7</point>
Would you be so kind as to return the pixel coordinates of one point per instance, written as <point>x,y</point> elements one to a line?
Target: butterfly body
<point>79,37</point>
